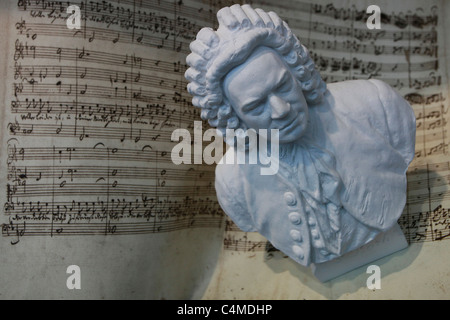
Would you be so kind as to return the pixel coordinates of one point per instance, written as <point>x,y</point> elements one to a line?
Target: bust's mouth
<point>297,119</point>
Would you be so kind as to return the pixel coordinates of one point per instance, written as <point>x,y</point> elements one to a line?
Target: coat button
<point>318,243</point>
<point>296,235</point>
<point>290,199</point>
<point>315,234</point>
<point>298,251</point>
<point>295,218</point>
<point>311,221</point>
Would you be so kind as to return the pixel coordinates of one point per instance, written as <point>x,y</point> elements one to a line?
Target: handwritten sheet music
<point>86,147</point>
<point>104,120</point>
<point>85,165</point>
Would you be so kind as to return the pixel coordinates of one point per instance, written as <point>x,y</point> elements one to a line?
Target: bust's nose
<point>280,108</point>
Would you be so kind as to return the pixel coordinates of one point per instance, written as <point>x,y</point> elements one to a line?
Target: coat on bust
<point>340,186</point>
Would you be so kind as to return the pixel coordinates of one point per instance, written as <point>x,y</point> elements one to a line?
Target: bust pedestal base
<point>384,244</point>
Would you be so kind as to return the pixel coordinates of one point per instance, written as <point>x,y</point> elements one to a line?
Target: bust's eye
<point>256,108</point>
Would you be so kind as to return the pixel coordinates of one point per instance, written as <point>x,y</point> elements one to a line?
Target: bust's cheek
<point>260,121</point>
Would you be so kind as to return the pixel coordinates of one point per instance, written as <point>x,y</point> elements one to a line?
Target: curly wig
<point>214,53</point>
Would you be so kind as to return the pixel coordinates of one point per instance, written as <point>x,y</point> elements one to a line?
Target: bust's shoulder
<point>367,89</point>
<point>376,103</point>
<point>355,99</point>
<point>367,97</point>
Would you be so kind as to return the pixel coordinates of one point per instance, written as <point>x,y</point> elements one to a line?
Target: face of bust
<point>265,95</point>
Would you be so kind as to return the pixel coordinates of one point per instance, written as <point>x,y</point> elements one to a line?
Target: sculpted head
<point>253,73</point>
<point>264,94</point>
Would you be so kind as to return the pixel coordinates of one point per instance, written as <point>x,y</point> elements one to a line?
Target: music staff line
<point>432,80</point>
<point>37,73</point>
<point>37,173</point>
<point>430,137</point>
<point>418,19</point>
<point>242,244</point>
<point>94,91</point>
<point>42,73</point>
<point>433,124</point>
<point>98,189</point>
<point>435,167</point>
<point>126,12</point>
<point>433,181</point>
<point>400,20</point>
<point>92,132</point>
<point>367,66</point>
<point>151,113</point>
<point>124,37</point>
<point>23,51</point>
<point>431,112</point>
<point>160,109</point>
<point>168,7</point>
<point>182,45</point>
<point>141,20</point>
<point>119,228</point>
<point>98,152</point>
<point>144,207</point>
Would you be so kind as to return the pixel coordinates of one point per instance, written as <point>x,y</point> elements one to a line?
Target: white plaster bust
<point>344,147</point>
